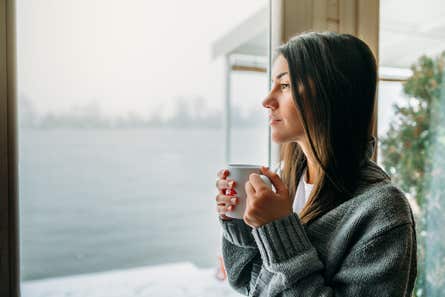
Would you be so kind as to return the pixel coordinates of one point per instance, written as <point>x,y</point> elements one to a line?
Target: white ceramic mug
<point>240,174</point>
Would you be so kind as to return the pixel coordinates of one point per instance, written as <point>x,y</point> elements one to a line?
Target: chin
<point>279,138</point>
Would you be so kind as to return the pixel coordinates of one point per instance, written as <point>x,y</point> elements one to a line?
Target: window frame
<point>360,17</point>
<point>9,231</point>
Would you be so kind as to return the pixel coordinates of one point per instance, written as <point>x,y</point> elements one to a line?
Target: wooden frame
<point>9,236</point>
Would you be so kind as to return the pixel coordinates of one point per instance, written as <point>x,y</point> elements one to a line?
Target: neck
<point>311,172</point>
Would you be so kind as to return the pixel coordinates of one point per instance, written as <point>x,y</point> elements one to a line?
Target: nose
<point>270,102</point>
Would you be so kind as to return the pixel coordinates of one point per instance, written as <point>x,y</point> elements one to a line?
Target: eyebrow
<point>280,75</point>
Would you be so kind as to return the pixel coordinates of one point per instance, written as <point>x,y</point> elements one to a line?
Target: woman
<point>336,225</point>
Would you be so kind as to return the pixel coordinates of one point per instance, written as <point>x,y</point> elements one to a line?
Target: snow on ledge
<point>168,280</point>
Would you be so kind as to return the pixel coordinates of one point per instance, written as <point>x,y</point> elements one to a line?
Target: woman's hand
<point>263,205</point>
<point>225,202</point>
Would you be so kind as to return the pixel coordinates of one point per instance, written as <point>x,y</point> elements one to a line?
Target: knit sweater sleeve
<point>240,252</point>
<point>241,255</point>
<point>380,266</point>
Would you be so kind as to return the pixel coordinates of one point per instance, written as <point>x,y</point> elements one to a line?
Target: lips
<point>273,122</point>
<point>272,118</point>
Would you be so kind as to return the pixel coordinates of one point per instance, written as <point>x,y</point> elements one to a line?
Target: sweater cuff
<point>237,232</point>
<point>281,240</point>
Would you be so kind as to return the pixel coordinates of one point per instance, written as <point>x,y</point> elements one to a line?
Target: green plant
<point>413,152</point>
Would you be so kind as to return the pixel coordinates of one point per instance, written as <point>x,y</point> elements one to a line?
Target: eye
<point>284,86</point>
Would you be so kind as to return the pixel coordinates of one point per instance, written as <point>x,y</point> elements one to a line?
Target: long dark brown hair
<point>333,78</point>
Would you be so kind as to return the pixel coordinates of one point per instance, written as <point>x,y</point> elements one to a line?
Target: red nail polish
<point>230,192</point>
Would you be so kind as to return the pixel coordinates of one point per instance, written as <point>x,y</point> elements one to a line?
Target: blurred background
<point>127,110</point>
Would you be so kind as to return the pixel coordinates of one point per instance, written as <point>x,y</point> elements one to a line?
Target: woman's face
<point>284,120</point>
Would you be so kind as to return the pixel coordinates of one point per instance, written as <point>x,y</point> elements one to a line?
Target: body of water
<point>97,200</point>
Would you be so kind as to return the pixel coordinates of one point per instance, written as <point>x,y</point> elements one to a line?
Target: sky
<point>128,55</point>
<point>140,56</point>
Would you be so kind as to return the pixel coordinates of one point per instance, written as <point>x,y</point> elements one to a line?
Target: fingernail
<point>229,208</point>
<point>231,183</point>
<point>230,192</point>
<point>233,200</point>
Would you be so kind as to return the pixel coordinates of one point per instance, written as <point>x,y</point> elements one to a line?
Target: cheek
<point>294,121</point>
<point>291,128</point>
<point>293,125</point>
<point>292,117</point>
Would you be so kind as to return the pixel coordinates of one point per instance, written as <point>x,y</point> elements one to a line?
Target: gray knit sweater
<point>366,246</point>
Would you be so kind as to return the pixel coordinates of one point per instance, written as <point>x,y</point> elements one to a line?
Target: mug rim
<point>245,165</point>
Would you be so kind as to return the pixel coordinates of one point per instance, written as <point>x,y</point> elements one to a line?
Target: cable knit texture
<point>364,247</point>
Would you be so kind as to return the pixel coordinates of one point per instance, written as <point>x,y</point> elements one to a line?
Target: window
<point>121,117</point>
<point>412,121</point>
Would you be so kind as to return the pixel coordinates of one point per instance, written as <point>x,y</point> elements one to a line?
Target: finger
<point>223,184</point>
<point>222,209</point>
<point>233,200</point>
<point>219,198</point>
<point>249,189</point>
<point>223,173</point>
<point>275,179</point>
<point>257,183</point>
<point>225,218</point>
<point>226,200</point>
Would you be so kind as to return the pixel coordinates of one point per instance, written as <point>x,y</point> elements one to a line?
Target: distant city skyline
<point>92,116</point>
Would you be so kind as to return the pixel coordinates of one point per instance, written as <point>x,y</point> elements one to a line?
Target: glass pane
<point>121,135</point>
<point>412,124</point>
<point>249,125</point>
